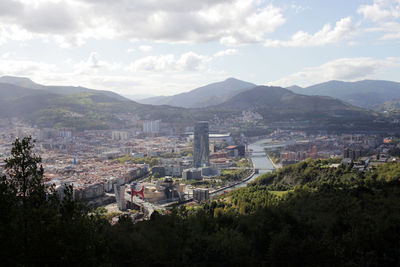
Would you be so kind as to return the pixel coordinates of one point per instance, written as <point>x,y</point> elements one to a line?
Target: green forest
<point>307,214</point>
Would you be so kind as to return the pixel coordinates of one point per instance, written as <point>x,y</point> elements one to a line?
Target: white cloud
<point>248,26</point>
<point>25,67</point>
<point>345,69</point>
<point>298,8</point>
<point>145,48</point>
<point>14,32</point>
<point>381,10</point>
<point>391,36</point>
<point>232,22</point>
<point>385,15</point>
<point>93,64</point>
<point>154,63</point>
<point>189,61</point>
<point>343,29</point>
<point>93,60</point>
<point>119,80</point>
<point>226,52</point>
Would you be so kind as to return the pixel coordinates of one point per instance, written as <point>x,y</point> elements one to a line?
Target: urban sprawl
<point>153,165</point>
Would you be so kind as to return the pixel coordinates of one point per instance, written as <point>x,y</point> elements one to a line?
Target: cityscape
<point>199,133</point>
<point>185,167</point>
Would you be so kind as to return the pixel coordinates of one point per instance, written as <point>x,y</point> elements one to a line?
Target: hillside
<point>390,106</point>
<point>307,214</point>
<point>102,110</point>
<point>366,93</point>
<point>11,91</point>
<point>68,107</point>
<point>204,96</point>
<point>63,90</point>
<point>283,108</point>
<point>272,100</point>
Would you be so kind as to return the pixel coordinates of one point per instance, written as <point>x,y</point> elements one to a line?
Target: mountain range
<point>23,82</point>
<point>84,108</point>
<point>209,95</point>
<point>69,106</point>
<point>367,93</point>
<point>277,104</point>
<point>370,94</point>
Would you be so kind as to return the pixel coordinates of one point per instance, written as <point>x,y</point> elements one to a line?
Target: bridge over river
<point>259,157</point>
<point>261,162</point>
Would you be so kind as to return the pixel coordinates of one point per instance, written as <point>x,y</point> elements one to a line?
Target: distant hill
<point>76,107</point>
<point>64,90</point>
<point>278,105</point>
<point>294,88</point>
<point>21,81</point>
<point>278,98</point>
<point>366,93</point>
<point>204,96</point>
<point>138,97</point>
<point>11,91</point>
<point>390,106</point>
<point>93,109</point>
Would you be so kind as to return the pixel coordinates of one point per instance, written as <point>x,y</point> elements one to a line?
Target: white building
<point>119,135</point>
<point>151,127</point>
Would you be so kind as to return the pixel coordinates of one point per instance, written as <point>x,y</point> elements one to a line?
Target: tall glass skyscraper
<point>201,150</point>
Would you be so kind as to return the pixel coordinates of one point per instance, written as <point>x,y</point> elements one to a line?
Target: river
<point>260,159</point>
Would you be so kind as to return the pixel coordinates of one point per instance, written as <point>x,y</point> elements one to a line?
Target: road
<point>261,162</point>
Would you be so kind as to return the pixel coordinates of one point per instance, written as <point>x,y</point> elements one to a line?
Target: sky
<point>164,47</point>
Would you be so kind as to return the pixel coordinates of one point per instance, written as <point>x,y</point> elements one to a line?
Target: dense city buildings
<point>102,164</point>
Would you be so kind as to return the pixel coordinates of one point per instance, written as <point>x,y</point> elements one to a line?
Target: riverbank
<point>215,192</point>
<point>276,165</point>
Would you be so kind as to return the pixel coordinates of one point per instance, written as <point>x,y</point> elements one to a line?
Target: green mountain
<point>76,107</point>
<point>276,100</point>
<point>209,95</point>
<point>283,108</point>
<point>102,109</point>
<point>11,91</point>
<point>366,93</point>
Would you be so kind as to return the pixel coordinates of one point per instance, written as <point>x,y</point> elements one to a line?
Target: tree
<point>24,174</point>
<point>25,171</point>
<point>153,162</point>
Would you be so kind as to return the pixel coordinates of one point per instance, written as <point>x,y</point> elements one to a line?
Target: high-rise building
<point>201,150</point>
<point>151,127</point>
<point>200,194</point>
<point>119,135</point>
<point>119,191</point>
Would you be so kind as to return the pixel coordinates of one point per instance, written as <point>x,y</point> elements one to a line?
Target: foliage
<point>311,172</point>
<point>394,152</point>
<point>275,155</point>
<point>187,152</point>
<point>330,217</point>
<point>243,163</point>
<point>36,226</point>
<point>233,175</point>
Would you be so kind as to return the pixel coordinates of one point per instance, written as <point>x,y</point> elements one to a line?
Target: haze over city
<point>169,47</point>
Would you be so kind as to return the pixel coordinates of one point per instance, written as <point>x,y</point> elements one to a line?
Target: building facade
<point>151,127</point>
<point>192,174</point>
<point>200,194</point>
<point>201,150</point>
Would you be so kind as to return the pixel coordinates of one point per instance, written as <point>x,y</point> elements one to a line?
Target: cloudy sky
<point>164,47</point>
